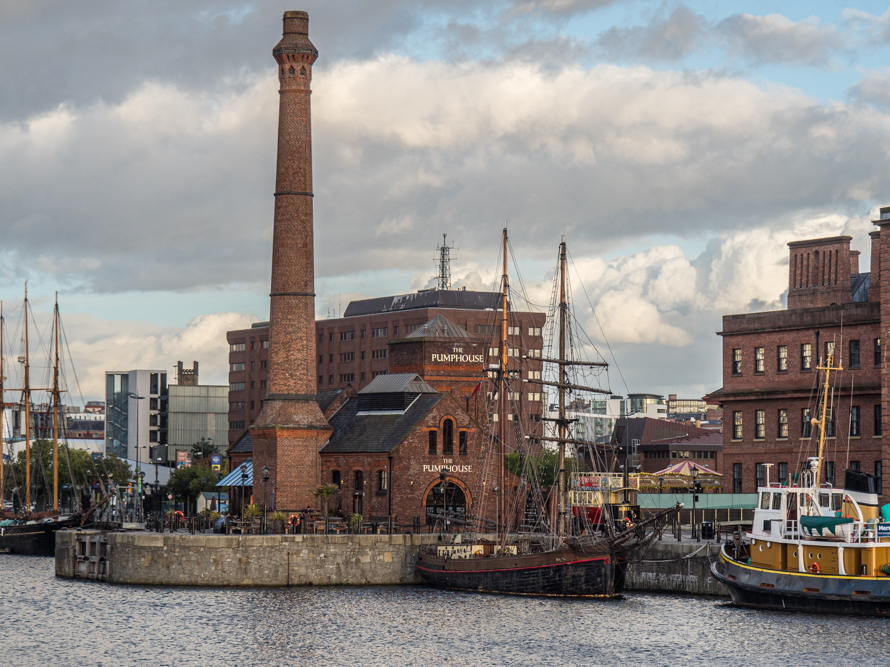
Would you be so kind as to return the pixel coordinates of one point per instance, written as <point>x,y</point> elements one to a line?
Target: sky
<point>678,146</point>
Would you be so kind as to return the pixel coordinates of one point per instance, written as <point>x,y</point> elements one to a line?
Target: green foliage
<point>82,469</point>
<point>277,516</point>
<point>356,519</point>
<point>325,491</point>
<point>186,482</point>
<point>540,471</point>
<point>253,511</point>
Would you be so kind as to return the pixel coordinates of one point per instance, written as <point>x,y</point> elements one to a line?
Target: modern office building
<point>135,413</point>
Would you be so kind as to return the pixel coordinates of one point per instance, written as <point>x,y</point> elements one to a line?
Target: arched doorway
<point>454,502</point>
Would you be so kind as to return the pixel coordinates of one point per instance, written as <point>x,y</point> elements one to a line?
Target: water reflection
<point>45,620</point>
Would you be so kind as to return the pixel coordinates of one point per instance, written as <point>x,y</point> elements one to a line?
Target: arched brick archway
<point>458,500</point>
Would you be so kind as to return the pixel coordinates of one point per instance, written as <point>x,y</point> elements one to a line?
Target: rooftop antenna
<point>444,276</point>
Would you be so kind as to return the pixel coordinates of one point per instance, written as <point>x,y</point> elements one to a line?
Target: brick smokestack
<point>819,272</point>
<point>291,428</point>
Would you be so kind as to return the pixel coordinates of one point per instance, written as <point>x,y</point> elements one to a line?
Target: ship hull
<point>560,574</point>
<point>32,539</point>
<point>761,588</point>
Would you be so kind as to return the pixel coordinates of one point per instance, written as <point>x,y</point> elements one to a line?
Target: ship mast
<point>2,379</point>
<point>502,395</point>
<point>56,406</point>
<point>824,414</point>
<point>563,381</point>
<point>27,398</point>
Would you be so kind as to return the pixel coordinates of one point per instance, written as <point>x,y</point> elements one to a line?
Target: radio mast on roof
<point>444,276</point>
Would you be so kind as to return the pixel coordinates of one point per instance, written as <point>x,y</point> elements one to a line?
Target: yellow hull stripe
<point>796,572</point>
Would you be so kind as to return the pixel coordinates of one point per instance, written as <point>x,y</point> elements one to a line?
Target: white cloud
<point>775,38</point>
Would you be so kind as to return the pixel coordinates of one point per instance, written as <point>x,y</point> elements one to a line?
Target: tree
<point>539,471</point>
<point>186,482</point>
<point>203,449</point>
<point>324,492</point>
<point>82,471</point>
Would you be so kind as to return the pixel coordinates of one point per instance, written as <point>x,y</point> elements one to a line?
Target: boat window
<point>764,501</point>
<point>777,501</point>
<point>837,501</point>
<point>802,499</point>
<point>823,500</point>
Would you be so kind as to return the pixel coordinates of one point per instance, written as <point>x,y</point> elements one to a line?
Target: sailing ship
<point>813,547</point>
<point>564,561</point>
<point>26,532</point>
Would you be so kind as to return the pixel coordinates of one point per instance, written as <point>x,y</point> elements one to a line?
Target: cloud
<point>97,346</point>
<point>665,38</point>
<point>777,39</point>
<point>873,88</point>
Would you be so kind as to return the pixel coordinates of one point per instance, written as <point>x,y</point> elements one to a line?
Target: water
<point>44,620</point>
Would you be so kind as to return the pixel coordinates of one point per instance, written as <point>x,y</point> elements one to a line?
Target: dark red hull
<point>562,573</point>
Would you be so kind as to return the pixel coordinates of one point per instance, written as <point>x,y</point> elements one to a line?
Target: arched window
<point>292,71</point>
<point>335,478</point>
<point>432,442</point>
<point>302,71</point>
<point>447,437</point>
<point>359,480</point>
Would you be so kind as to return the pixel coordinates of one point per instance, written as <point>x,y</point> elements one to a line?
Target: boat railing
<point>852,533</point>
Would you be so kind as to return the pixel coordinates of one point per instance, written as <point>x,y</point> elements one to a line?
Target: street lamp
<point>265,481</point>
<point>444,505</point>
<point>243,485</point>
<point>694,498</point>
<point>218,500</point>
<point>137,398</point>
<point>139,514</point>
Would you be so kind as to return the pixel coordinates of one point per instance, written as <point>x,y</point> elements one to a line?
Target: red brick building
<point>770,372</point>
<point>391,442</point>
<point>377,336</point>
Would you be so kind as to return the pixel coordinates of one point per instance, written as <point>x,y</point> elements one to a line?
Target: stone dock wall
<point>314,560</point>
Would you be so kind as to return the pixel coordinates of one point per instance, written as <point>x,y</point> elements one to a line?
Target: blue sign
<point>216,461</point>
<point>884,530</point>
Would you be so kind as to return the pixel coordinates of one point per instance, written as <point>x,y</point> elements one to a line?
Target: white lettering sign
<point>448,468</point>
<point>461,358</point>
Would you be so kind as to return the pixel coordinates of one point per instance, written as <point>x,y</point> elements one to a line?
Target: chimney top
<point>295,38</point>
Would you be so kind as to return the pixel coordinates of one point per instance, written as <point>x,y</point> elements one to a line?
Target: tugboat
<point>812,547</point>
<point>555,563</point>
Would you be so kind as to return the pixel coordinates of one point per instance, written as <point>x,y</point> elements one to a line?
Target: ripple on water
<point>44,620</point>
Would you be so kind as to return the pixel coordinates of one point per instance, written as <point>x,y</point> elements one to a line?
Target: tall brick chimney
<point>819,272</point>
<point>291,428</point>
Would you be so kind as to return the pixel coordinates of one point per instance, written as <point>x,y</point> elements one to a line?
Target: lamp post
<point>137,398</point>
<point>140,514</point>
<point>694,498</point>
<point>444,486</point>
<point>243,485</point>
<point>265,482</point>
<point>218,499</point>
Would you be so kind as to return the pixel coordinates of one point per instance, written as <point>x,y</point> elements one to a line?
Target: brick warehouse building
<point>770,376</point>
<point>379,336</point>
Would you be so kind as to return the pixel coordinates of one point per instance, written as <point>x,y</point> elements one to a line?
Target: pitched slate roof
<point>437,328</point>
<point>243,445</point>
<point>381,432</point>
<point>426,299</point>
<point>398,383</point>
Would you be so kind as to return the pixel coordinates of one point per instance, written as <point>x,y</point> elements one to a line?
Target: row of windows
<point>240,386</point>
<point>782,472</point>
<point>344,377</point>
<point>358,480</point>
<point>447,440</point>
<point>241,347</point>
<point>236,425</point>
<point>806,423</point>
<point>378,332</point>
<point>236,405</point>
<point>854,358</point>
<point>681,454</point>
<point>533,353</point>
<point>350,356</point>
<point>240,366</point>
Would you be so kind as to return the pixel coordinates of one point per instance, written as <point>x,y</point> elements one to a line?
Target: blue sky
<point>678,145</point>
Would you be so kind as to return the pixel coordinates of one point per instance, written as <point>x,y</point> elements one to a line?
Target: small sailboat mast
<point>823,417</point>
<point>2,380</point>
<point>56,406</point>
<point>27,399</point>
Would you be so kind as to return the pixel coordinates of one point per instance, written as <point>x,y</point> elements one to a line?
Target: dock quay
<point>317,560</point>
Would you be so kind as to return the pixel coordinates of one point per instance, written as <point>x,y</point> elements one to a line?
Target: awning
<point>234,477</point>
